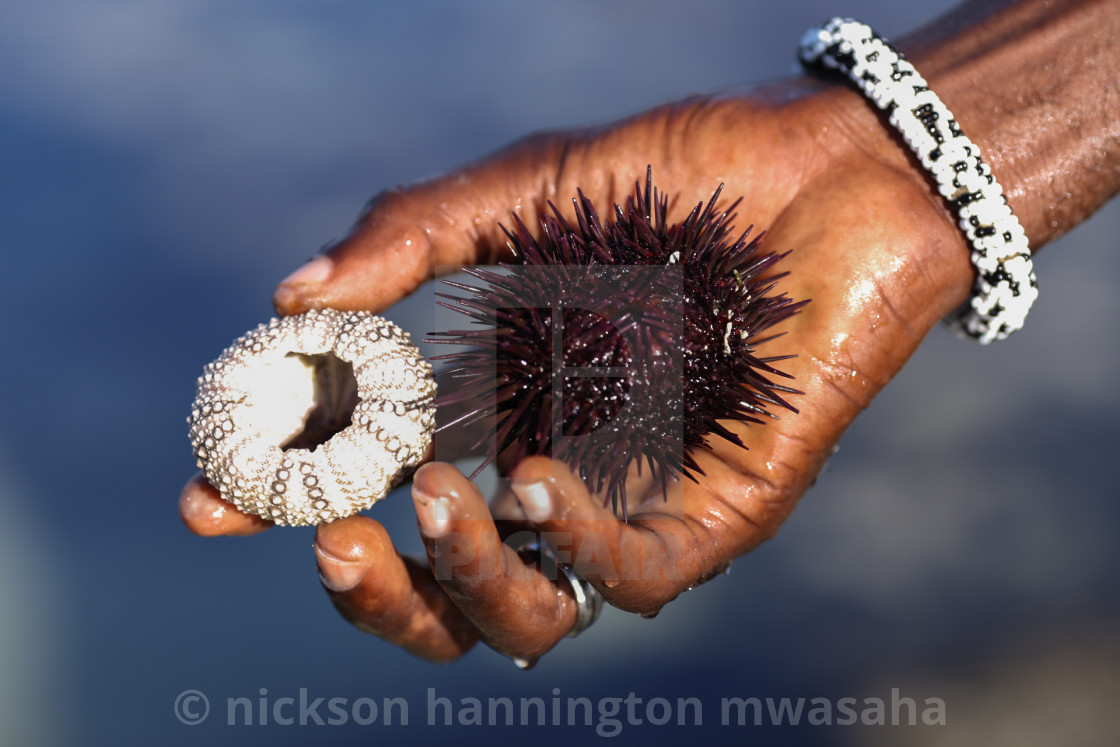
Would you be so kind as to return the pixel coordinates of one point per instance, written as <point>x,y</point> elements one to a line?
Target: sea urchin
<point>619,343</point>
<point>314,417</point>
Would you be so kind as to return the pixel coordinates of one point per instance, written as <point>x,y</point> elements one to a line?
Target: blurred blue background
<point>164,164</point>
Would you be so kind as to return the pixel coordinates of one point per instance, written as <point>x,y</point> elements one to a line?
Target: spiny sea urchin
<point>619,342</point>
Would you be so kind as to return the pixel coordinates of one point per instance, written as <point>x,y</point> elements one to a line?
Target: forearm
<point>1033,83</point>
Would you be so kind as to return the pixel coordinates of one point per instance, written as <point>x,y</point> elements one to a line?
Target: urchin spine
<point>680,308</point>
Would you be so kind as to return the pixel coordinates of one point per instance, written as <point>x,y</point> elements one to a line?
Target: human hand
<point>872,246</point>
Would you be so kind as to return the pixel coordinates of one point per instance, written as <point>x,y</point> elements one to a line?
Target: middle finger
<point>517,609</point>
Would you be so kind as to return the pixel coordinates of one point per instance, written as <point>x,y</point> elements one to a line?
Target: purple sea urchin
<point>619,343</point>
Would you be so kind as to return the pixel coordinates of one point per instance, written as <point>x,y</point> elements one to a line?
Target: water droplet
<point>727,569</point>
<point>524,663</point>
<point>650,615</point>
<point>610,583</point>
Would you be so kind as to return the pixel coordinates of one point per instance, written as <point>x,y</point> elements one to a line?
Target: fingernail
<point>210,516</point>
<point>534,498</point>
<point>433,513</point>
<point>198,508</point>
<point>337,574</point>
<point>314,272</point>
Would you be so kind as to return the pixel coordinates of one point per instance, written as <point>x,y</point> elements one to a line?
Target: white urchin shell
<point>255,400</point>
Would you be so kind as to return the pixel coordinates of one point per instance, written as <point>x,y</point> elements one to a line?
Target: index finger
<point>406,234</point>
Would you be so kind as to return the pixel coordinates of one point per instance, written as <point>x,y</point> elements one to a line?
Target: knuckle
<point>385,201</point>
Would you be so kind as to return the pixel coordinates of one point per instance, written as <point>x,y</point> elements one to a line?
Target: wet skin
<point>871,244</point>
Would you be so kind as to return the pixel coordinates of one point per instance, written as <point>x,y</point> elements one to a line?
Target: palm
<point>877,286</point>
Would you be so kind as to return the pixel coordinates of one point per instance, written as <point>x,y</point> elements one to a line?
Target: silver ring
<point>589,602</point>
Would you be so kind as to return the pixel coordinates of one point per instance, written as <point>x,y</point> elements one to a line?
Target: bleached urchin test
<point>314,417</point>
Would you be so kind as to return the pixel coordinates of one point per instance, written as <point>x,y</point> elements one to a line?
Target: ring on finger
<point>589,602</point>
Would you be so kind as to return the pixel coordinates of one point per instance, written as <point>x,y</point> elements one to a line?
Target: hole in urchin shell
<point>336,396</point>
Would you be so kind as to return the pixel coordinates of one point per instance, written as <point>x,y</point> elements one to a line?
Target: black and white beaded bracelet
<point>1005,285</point>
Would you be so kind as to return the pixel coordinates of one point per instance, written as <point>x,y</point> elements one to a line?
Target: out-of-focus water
<point>165,164</point>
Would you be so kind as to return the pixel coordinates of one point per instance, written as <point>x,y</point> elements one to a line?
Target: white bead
<point>993,312</point>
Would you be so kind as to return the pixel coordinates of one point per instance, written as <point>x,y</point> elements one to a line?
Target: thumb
<point>406,235</point>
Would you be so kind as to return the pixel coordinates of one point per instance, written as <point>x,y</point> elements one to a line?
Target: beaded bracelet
<point>1005,285</point>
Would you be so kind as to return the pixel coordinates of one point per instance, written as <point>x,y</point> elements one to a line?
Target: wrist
<point>868,161</point>
<point>1030,83</point>
<point>1005,286</point>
